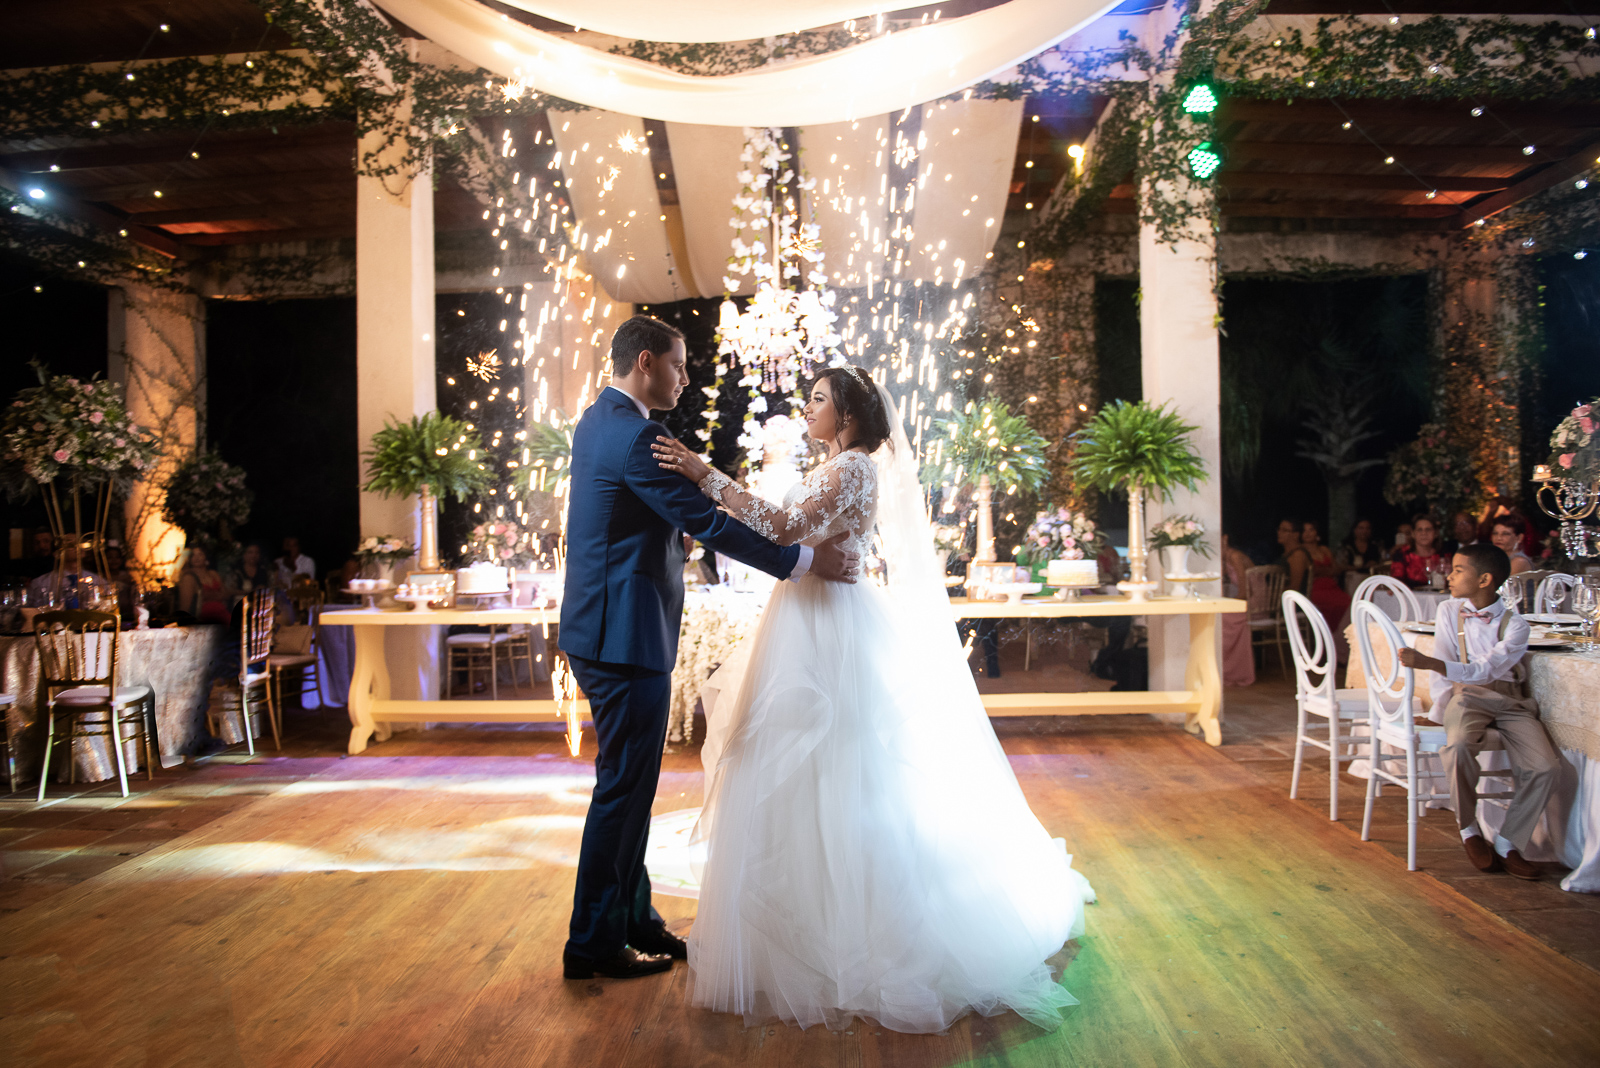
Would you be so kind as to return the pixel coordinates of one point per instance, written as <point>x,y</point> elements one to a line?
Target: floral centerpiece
<point>988,447</point>
<point>500,541</point>
<point>207,494</point>
<point>1182,534</point>
<point>1574,447</point>
<point>79,433</point>
<point>383,549</point>
<point>1061,534</point>
<point>1433,472</point>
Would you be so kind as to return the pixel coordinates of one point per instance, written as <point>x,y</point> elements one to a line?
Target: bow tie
<point>1484,615</point>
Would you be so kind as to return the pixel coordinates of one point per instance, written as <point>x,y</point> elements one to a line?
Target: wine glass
<point>1586,603</point>
<point>1511,592</point>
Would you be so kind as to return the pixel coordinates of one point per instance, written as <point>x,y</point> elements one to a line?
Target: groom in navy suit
<point>619,628</point>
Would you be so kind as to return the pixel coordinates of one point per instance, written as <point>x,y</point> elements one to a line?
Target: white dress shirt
<point>801,566</point>
<point>287,569</point>
<point>1489,657</point>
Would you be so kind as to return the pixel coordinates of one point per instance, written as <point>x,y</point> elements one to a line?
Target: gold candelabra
<point>1570,501</point>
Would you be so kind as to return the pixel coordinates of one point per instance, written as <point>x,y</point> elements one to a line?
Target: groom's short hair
<point>642,333</point>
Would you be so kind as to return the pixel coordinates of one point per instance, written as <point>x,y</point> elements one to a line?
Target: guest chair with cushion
<point>474,652</point>
<point>78,688</point>
<point>257,620</point>
<point>1264,594</point>
<point>1410,607</point>
<point>1554,591</point>
<point>1314,670</point>
<point>1392,712</point>
<point>294,649</point>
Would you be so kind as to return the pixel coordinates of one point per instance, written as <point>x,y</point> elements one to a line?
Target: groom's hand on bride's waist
<point>832,561</point>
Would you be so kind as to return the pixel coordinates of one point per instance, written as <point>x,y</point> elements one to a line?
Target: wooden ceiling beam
<point>223,183</point>
<point>269,237</point>
<point>92,157</point>
<point>242,212</point>
<point>1400,182</point>
<point>65,204</point>
<point>1570,168</point>
<point>1403,113</point>
<point>1335,209</point>
<point>1410,155</point>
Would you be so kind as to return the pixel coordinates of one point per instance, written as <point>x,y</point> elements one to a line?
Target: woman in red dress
<point>1415,564</point>
<point>200,591</point>
<point>1327,590</point>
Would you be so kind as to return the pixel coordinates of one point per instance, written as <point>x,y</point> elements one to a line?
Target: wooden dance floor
<point>408,906</point>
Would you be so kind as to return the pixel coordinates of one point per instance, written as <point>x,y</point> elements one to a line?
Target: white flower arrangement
<point>1060,535</point>
<point>782,332</point>
<point>384,548</point>
<point>780,439</point>
<point>1183,531</point>
<point>1574,450</point>
<point>715,621</point>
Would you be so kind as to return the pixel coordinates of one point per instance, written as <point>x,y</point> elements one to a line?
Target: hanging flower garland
<point>783,333</point>
<point>205,491</point>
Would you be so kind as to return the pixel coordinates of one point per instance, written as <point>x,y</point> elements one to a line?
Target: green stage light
<point>1204,159</point>
<point>1200,100</point>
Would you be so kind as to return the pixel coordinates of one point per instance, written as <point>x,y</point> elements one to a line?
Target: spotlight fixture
<point>1581,183</point>
<point>36,193</point>
<point>1477,113</point>
<point>1580,254</point>
<point>1204,159</point>
<point>1201,99</point>
<point>1528,150</point>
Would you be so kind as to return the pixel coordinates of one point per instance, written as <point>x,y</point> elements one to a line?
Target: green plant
<point>206,493</point>
<point>1432,473</point>
<point>432,450</point>
<point>1138,445</point>
<point>545,454</point>
<point>988,441</point>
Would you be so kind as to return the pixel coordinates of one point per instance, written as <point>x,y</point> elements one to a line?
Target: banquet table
<point>1566,685</point>
<point>1201,697</point>
<point>374,705</point>
<point>175,662</point>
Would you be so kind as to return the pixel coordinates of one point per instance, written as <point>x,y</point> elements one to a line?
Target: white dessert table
<point>372,709</point>
<point>1201,699</point>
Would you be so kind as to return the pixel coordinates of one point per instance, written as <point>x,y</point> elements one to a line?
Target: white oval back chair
<point>1410,608</point>
<point>1315,671</point>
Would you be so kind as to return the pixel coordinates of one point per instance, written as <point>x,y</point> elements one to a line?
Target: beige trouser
<point>1470,713</point>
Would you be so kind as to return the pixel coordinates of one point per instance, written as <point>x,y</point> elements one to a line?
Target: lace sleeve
<point>829,491</point>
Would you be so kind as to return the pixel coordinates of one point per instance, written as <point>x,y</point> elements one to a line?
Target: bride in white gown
<point>868,850</point>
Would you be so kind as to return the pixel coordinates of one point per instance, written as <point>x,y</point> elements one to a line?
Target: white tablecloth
<point>1567,687</point>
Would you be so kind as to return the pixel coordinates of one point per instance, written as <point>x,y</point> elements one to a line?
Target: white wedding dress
<point>867,849</point>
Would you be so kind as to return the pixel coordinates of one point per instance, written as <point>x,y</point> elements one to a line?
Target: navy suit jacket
<point>623,601</point>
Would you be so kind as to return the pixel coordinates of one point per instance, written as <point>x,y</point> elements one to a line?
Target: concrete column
<point>394,318</point>
<point>157,351</point>
<point>1178,343</point>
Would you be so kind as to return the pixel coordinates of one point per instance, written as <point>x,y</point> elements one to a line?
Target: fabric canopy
<point>704,20</point>
<point>885,74</point>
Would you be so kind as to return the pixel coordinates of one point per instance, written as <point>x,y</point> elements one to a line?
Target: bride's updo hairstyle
<point>856,400</point>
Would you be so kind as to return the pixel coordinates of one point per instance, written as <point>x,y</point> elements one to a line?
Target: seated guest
<point>118,575</point>
<point>1505,506</point>
<point>1359,551</point>
<point>1292,556</point>
<point>1479,683</point>
<point>200,591</point>
<point>252,573</point>
<point>1463,532</point>
<point>42,560</point>
<point>293,562</point>
<point>1402,540</point>
<point>1327,592</point>
<point>62,589</point>
<point>1506,535</point>
<point>1238,659</point>
<point>1418,562</point>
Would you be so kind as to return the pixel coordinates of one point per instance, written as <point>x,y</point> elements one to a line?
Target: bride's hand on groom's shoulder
<point>674,455</point>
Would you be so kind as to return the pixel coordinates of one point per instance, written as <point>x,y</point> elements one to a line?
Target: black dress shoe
<point>628,964</point>
<point>660,940</point>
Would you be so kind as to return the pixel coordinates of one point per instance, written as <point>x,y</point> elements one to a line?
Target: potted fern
<point>431,456</point>
<point>987,446</point>
<point>1140,448</point>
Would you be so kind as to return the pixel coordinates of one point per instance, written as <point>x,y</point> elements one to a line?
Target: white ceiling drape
<point>963,179</point>
<point>885,74</point>
<point>703,20</point>
<point>613,193</point>
<point>705,166</point>
<point>850,203</point>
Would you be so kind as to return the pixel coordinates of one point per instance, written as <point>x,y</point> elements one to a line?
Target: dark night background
<point>281,384</point>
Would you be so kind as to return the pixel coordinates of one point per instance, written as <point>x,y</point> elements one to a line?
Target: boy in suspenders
<point>1478,686</point>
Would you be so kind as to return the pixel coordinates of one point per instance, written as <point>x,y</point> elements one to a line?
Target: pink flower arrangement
<point>64,427</point>
<point>1574,446</point>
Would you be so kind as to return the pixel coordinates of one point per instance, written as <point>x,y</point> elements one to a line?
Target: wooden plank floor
<point>408,907</point>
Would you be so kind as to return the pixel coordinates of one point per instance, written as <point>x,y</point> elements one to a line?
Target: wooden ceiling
<point>1287,165</point>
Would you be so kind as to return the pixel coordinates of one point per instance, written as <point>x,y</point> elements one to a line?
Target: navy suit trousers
<point>612,900</point>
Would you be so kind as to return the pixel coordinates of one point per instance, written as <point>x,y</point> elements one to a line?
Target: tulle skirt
<point>867,850</point>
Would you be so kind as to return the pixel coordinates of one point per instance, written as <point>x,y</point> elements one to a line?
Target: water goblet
<point>1511,592</point>
<point>1586,603</point>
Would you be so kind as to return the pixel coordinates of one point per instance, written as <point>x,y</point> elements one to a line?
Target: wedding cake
<point>482,578</point>
<point>1072,573</point>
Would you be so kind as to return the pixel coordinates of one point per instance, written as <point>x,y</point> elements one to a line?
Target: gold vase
<point>428,549</point>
